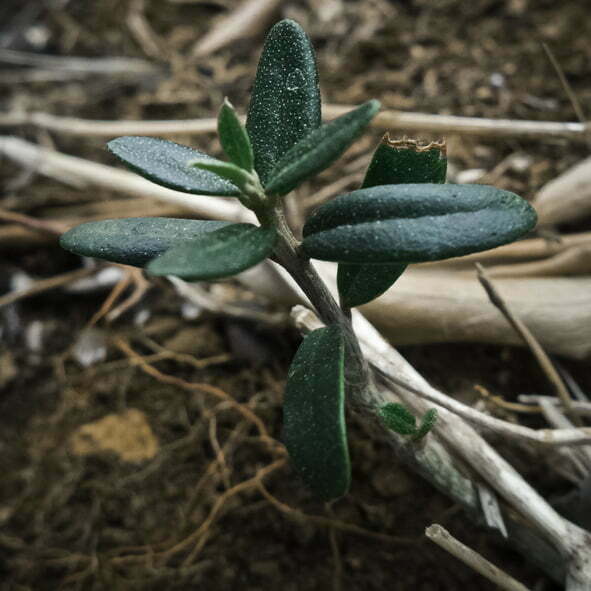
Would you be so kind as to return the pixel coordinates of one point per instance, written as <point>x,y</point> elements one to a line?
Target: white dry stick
<point>385,120</point>
<point>567,197</point>
<point>571,541</point>
<point>427,304</point>
<point>110,66</point>
<point>249,18</point>
<point>436,533</point>
<point>85,173</point>
<point>451,124</point>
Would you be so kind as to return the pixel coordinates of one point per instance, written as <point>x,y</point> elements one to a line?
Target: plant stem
<point>289,255</point>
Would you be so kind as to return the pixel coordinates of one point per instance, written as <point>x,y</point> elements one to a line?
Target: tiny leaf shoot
<point>234,138</point>
<point>319,149</point>
<point>399,419</point>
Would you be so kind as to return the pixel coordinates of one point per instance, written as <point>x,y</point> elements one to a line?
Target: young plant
<point>403,213</point>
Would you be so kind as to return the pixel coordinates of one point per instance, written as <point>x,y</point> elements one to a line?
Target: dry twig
<point>385,120</point>
<point>45,285</point>
<point>248,19</point>
<point>436,533</point>
<point>541,357</point>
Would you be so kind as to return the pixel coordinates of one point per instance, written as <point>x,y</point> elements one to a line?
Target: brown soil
<point>144,473</point>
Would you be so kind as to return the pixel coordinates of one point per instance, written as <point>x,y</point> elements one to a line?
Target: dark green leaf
<point>406,161</point>
<point>133,241</point>
<point>415,223</point>
<point>234,138</point>
<point>314,429</point>
<point>393,162</point>
<point>285,103</point>
<point>427,423</point>
<point>226,170</point>
<point>398,418</point>
<point>222,253</point>
<point>319,149</point>
<point>359,284</point>
<point>166,163</point>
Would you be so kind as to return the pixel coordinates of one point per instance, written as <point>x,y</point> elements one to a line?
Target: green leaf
<point>427,423</point>
<point>406,161</point>
<point>133,241</point>
<point>285,102</point>
<point>166,163</point>
<point>413,223</point>
<point>359,284</point>
<point>393,162</point>
<point>398,418</point>
<point>233,137</point>
<point>319,149</point>
<point>314,429</point>
<point>222,253</point>
<point>226,170</point>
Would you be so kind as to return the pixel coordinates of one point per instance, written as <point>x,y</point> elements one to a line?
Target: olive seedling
<point>403,213</point>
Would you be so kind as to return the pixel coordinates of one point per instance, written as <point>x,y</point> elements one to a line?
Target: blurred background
<point>123,455</point>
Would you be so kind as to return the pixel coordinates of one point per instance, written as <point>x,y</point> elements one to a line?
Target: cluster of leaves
<point>403,213</point>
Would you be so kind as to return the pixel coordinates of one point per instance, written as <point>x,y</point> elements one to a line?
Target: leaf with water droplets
<point>413,223</point>
<point>393,162</point>
<point>133,241</point>
<point>166,163</point>
<point>234,138</point>
<point>314,429</point>
<point>319,149</point>
<point>285,102</point>
<point>398,418</point>
<point>223,253</point>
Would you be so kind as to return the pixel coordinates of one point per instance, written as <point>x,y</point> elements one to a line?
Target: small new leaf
<point>319,149</point>
<point>427,423</point>
<point>223,253</point>
<point>314,429</point>
<point>398,418</point>
<point>226,170</point>
<point>414,223</point>
<point>166,163</point>
<point>234,138</point>
<point>133,241</point>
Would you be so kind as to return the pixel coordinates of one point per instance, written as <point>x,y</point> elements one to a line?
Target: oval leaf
<point>166,163</point>
<point>319,149</point>
<point>133,241</point>
<point>359,284</point>
<point>234,138</point>
<point>314,429</point>
<point>393,162</point>
<point>415,223</point>
<point>222,253</point>
<point>285,102</point>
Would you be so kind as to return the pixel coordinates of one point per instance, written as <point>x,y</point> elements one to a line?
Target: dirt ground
<point>143,453</point>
